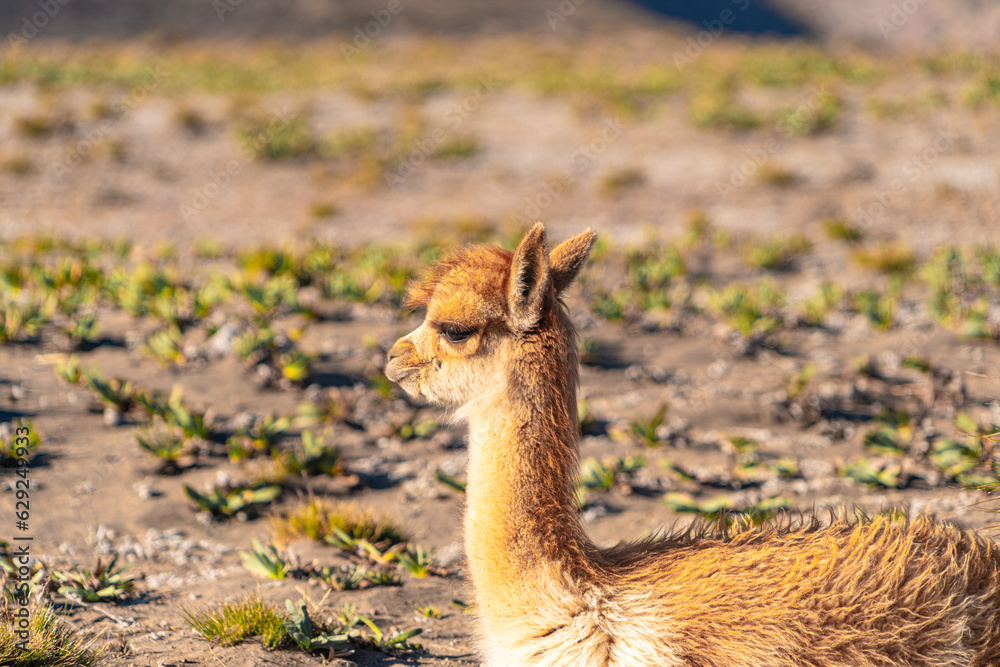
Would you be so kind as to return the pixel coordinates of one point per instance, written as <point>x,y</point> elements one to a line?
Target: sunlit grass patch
<point>721,109</point>
<point>622,179</point>
<point>272,138</point>
<point>50,643</point>
<point>841,230</point>
<point>235,622</point>
<point>886,257</point>
<point>777,253</point>
<point>457,148</point>
<point>316,518</point>
<point>753,311</point>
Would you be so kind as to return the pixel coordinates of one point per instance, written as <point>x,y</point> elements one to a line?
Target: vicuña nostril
<point>395,352</point>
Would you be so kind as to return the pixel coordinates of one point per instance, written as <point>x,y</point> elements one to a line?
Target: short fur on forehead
<point>465,266</point>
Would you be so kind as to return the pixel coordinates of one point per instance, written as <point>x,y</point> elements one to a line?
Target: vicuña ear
<point>529,279</point>
<point>569,257</point>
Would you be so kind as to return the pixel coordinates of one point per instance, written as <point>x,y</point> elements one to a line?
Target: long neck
<point>522,530</point>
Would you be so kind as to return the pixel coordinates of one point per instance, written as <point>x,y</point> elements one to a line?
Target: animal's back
<point>876,593</point>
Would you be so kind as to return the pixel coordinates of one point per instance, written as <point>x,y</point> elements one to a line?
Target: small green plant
<point>50,642</point>
<point>15,446</point>
<point>449,481</point>
<point>622,179</point>
<point>296,366</point>
<point>105,583</point>
<point>890,258</point>
<point>20,321</point>
<point>235,622</point>
<point>255,344</point>
<point>391,643</point>
<point>796,383</point>
<point>299,627</point>
<point>676,470</point>
<point>325,411</point>
<point>429,611</point>
<point>69,370</point>
<point>868,473</point>
<point>266,561</point>
<point>457,148</point>
<point>260,437</point>
<point>841,230</point>
<point>829,297</point>
<point>646,430</point>
<point>168,444</point>
<point>777,253</point>
<point>315,457</point>
<point>599,476</point>
<point>917,363</point>
<point>412,428</point>
<point>193,424</point>
<point>82,328</point>
<point>383,387</point>
<point>166,346</point>
<point>114,393</point>
<point>292,138</point>
<point>721,508</point>
<point>969,460</point>
<point>752,311</point>
<point>382,577</point>
<point>228,500</point>
<point>416,560</point>
<point>343,578</point>
<point>879,309</point>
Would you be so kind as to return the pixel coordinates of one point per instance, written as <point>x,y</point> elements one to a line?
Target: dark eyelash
<point>455,334</point>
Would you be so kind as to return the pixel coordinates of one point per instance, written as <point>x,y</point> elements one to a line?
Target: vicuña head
<point>498,345</point>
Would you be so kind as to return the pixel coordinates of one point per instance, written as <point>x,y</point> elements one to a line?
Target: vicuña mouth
<point>398,374</point>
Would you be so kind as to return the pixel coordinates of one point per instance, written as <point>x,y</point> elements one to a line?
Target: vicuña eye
<point>456,334</point>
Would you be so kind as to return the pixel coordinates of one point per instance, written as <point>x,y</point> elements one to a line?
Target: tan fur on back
<point>497,345</point>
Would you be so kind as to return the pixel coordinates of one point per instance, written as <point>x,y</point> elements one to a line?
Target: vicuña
<point>497,345</point>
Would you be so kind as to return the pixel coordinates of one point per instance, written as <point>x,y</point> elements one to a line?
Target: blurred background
<point>386,115</point>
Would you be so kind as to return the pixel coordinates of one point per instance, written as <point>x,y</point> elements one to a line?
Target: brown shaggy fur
<point>498,345</point>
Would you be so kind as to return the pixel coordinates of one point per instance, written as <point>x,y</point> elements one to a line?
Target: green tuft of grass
<point>841,230</point>
<point>751,310</point>
<point>457,148</point>
<point>317,518</point>
<point>235,622</point>
<point>622,179</point>
<point>50,643</point>
<point>321,210</point>
<point>777,253</point>
<point>288,139</point>
<point>889,258</point>
<point>720,109</point>
<point>776,176</point>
